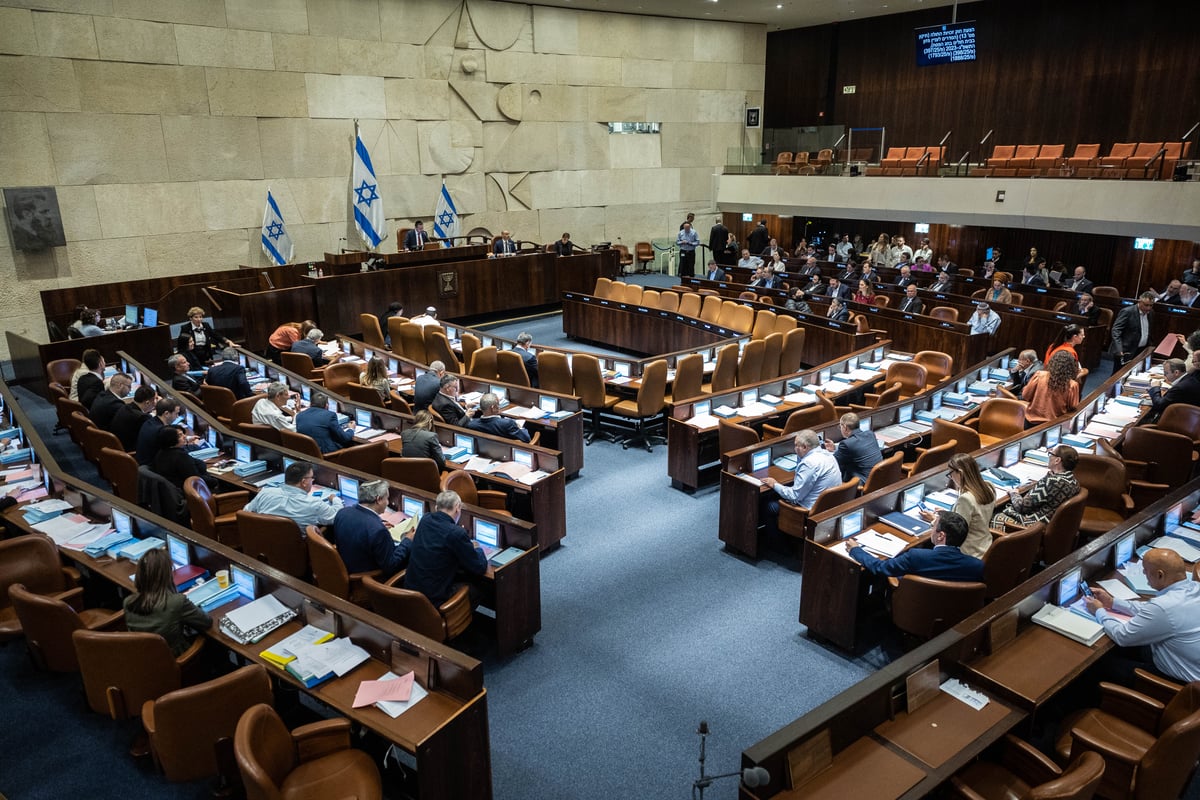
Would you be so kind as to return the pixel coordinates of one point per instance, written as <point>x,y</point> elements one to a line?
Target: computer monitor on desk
<point>465,441</point>
<point>912,497</point>
<point>150,317</point>
<point>850,524</point>
<point>1123,550</point>
<point>760,459</point>
<point>131,315</point>
<point>1068,587</point>
<point>122,522</point>
<point>179,550</point>
<point>487,532</point>
<point>242,452</point>
<point>348,488</point>
<point>412,506</point>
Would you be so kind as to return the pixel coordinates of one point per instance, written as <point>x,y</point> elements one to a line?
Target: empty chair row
<point>1136,160</point>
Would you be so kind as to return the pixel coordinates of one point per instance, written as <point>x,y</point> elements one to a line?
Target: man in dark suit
<point>227,372</point>
<point>838,310</point>
<point>838,289</point>
<point>90,383</point>
<point>416,238</point>
<point>946,265</point>
<point>180,380</point>
<point>321,424</point>
<point>906,278</point>
<point>440,548</point>
<point>361,537</point>
<point>127,422</point>
<point>850,276</point>
<point>446,404</point>
<point>718,235</point>
<point>944,562</point>
<point>504,245</point>
<point>490,421</point>
<point>1026,367</point>
<point>943,284</point>
<point>107,403</point>
<point>714,273</point>
<point>427,385</point>
<point>911,303</point>
<point>1079,282</point>
<point>758,239</point>
<point>1185,389</point>
<point>166,411</point>
<point>1131,329</point>
<point>858,450</point>
<point>564,246</point>
<point>523,349</point>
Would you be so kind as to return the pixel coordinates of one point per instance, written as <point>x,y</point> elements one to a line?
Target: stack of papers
<point>1133,574</point>
<point>284,651</point>
<point>800,398</point>
<point>46,509</point>
<point>755,409</point>
<point>1069,624</point>
<point>703,421</point>
<point>317,662</point>
<point>885,544</point>
<point>255,620</point>
<point>1187,552</point>
<point>394,708</point>
<point>523,412</point>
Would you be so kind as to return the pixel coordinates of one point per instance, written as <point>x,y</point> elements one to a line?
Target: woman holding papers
<point>155,607</point>
<point>1053,391</point>
<point>975,503</point>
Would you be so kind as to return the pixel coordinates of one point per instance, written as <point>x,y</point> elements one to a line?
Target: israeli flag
<point>445,219</point>
<point>364,196</point>
<point>275,240</point>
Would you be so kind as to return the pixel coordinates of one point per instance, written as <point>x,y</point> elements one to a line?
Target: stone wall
<point>163,122</point>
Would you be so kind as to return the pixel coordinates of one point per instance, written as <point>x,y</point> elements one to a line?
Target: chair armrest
<point>1161,689</point>
<point>961,790</point>
<point>71,576</point>
<point>1131,706</point>
<point>535,438</point>
<point>1144,493</point>
<point>187,656</point>
<point>893,583</point>
<point>109,622</point>
<point>319,739</point>
<point>73,598</point>
<point>229,502</point>
<point>1027,762</point>
<point>1081,743</point>
<point>792,519</point>
<point>1127,502</point>
<point>771,432</point>
<point>492,499</point>
<point>973,423</point>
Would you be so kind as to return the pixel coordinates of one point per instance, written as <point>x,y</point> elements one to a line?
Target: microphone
<point>703,729</point>
<point>1188,135</point>
<point>986,136</point>
<point>944,138</point>
<point>755,776</point>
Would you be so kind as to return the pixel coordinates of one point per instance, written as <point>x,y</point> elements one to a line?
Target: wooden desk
<point>636,329</point>
<point>346,263</point>
<point>29,359</point>
<point>866,768</point>
<point>1018,669</point>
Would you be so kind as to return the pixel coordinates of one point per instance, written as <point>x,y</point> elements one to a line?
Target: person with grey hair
<point>180,380</point>
<point>293,500</point>
<point>490,421</point>
<point>1023,370</point>
<point>229,374</point>
<point>106,404</point>
<point>362,538</point>
<point>309,347</point>
<point>427,385</point>
<point>440,548</point>
<point>525,350</point>
<point>273,409</point>
<point>816,471</point>
<point>445,403</point>
<point>321,424</point>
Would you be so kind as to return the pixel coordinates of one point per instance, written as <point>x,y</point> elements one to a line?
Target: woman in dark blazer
<point>155,607</point>
<point>420,440</point>
<point>172,461</point>
<point>197,340</point>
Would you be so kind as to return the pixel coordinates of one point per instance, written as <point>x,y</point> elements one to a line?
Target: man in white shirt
<point>925,251</point>
<point>273,409</point>
<point>984,320</point>
<point>292,499</point>
<point>844,248</point>
<point>1168,624</point>
<point>428,318</point>
<point>748,261</point>
<point>816,471</point>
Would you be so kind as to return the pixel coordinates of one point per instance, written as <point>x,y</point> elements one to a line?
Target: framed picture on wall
<point>753,117</point>
<point>34,220</point>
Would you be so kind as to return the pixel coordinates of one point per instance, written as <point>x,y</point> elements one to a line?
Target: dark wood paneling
<point>1066,72</point>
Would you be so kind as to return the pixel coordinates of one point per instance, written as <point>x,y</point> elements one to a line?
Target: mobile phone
<point>1087,590</point>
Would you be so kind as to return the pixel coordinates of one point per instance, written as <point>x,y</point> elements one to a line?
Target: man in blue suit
<point>944,562</point>
<point>490,421</point>
<point>227,372</point>
<point>321,424</point>
<point>440,549</point>
<point>524,340</point>
<point>858,450</point>
<point>416,238</point>
<point>361,537</point>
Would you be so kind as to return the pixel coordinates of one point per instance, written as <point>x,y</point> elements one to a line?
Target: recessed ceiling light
<point>779,6</point>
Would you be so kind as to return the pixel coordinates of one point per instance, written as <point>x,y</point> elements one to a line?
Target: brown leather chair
<point>1062,531</point>
<point>95,440</point>
<point>1149,749</point>
<point>772,350</point>
<point>122,670</point>
<point>461,482</point>
<point>793,518</point>
<point>935,456</point>
<point>938,366</point>
<point>1009,559</point>
<point>77,425</point>
<point>299,363</point>
<point>724,375</point>
<point>483,364</point>
<point>944,430</point>
<point>732,436</point>
<point>63,407</point>
<point>191,729</point>
<point>437,348</point>
<point>710,310</point>
<point>340,375</point>
<point>60,370</point>
<point>944,313</point>
<point>650,298</point>
<point>121,470</point>
<point>626,258</point>
<point>419,473</point>
<point>1109,503</point>
<point>365,395</point>
<point>924,607</point>
<point>792,357</point>
<point>689,304</point>
<point>411,343</point>
<point>669,301</point>
<point>1086,155</point>
<point>764,323</point>
<point>812,416</point>
<point>602,287</point>
<point>33,561</point>
<point>554,372</point>
<point>999,418</point>
<point>890,394</point>
<point>689,378</point>
<point>214,515</point>
<point>362,457</point>
<point>750,365</point>
<point>650,402</point>
<point>1181,418</point>
<point>301,443</point>
<point>264,433</point>
<point>399,404</point>
<point>414,610</point>
<point>887,472</point>
<point>48,622</point>
<point>643,253</point>
<point>372,333</point>
<point>276,541</point>
<point>913,377</point>
<point>1156,462</point>
<point>329,571</point>
<point>589,387</point>
<point>313,761</point>
<point>1024,773</point>
<point>510,368</point>
<point>740,319</point>
<point>243,410</point>
<point>1106,291</point>
<point>217,401</point>
<point>393,327</point>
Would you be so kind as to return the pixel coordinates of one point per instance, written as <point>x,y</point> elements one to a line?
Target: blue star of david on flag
<point>364,192</point>
<point>275,240</point>
<point>445,218</point>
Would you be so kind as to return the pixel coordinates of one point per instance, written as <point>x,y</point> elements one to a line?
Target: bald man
<point>1168,624</point>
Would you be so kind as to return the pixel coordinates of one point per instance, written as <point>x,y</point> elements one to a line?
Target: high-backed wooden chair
<point>1062,531</point>
<point>939,366</point>
<point>650,402</point>
<point>999,418</point>
<point>1109,503</point>
<point>689,305</point>
<point>588,382</point>
<point>214,515</point>
<point>750,365</point>
<point>912,377</point>
<point>1010,559</point>
<point>724,375</point>
<point>772,350</point>
<point>412,342</point>
<point>191,729</point>
<point>121,470</point>
<point>710,311</point>
<point>437,348</point>
<point>554,372</point>
<point>792,357</point>
<point>885,473</point>
<point>643,254</point>
<point>689,378</point>
<point>414,611</point>
<point>372,332</point>
<point>1024,772</point>
<point>277,541</point>
<point>122,670</point>
<point>315,760</point>
<point>329,571</point>
<point>483,364</point>
<point>48,622</point>
<point>510,368</point>
<point>419,473</point>
<point>33,561</point>
<point>924,607</point>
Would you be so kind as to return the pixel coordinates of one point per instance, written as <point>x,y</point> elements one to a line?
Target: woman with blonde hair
<point>976,502</point>
<point>1053,391</point>
<point>376,376</point>
<point>419,440</point>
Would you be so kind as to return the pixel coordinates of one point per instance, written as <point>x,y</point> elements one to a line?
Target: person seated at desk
<point>816,470</point>
<point>309,346</point>
<point>776,265</point>
<point>921,265</point>
<point>944,562</point>
<point>376,376</point>
<point>362,538</point>
<point>715,273</point>
<point>1188,295</point>
<point>130,417</point>
<point>1164,635</point>
<point>1051,491</point>
<point>838,289</point>
<point>446,402</point>
<point>772,249</point>
<point>975,503</point>
<point>416,238</point>
<point>748,261</point>
<point>871,275</point>
<point>229,374</point>
<point>858,450</point>
<point>197,339</point>
<point>108,403</point>
<point>1170,296</point>
<point>321,424</point>
<point>1068,339</point>
<point>273,410</point>
<point>156,607</point>
<point>999,292</point>
<point>1086,306</point>
<point>180,380</point>
<point>838,311</point>
<point>428,318</point>
<point>944,283</point>
<point>426,387</point>
<point>490,421</point>
<point>293,500</point>
<point>504,245</point>
<point>1053,391</point>
<point>798,301</point>
<point>811,268</point>
<point>420,441</point>
<point>440,548</point>
<point>166,411</point>
<point>88,323</point>
<point>1184,388</point>
<point>88,381</point>
<point>172,460</point>
<point>524,349</point>
<point>911,304</point>
<point>1079,281</point>
<point>564,246</point>
<point>865,293</point>
<point>1021,372</point>
<point>984,321</point>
